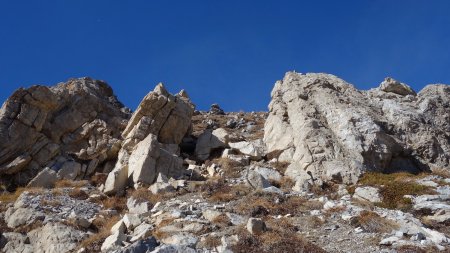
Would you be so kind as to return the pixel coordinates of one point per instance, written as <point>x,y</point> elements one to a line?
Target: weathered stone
<point>254,149</point>
<point>255,180</point>
<point>336,132</point>
<point>158,188</point>
<point>114,241</point>
<point>18,216</point>
<point>211,215</point>
<point>131,221</point>
<point>81,118</point>
<point>142,161</point>
<point>46,179</point>
<point>137,206</point>
<point>256,226</point>
<point>55,238</point>
<point>140,232</point>
<point>119,227</point>
<point>174,249</point>
<point>389,241</point>
<point>268,173</point>
<point>153,133</point>
<point>368,193</point>
<point>16,242</point>
<point>141,246</point>
<point>69,170</point>
<point>394,86</point>
<point>210,140</point>
<point>216,110</point>
<point>181,239</point>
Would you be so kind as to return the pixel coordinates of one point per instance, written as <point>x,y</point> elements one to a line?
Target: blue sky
<point>227,52</point>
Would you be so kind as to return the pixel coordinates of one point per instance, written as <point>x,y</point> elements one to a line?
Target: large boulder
<point>329,130</point>
<point>55,238</point>
<point>47,126</point>
<point>391,85</point>
<point>151,140</point>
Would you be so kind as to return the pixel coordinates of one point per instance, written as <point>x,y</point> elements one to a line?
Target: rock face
<point>151,140</point>
<point>49,126</point>
<point>332,131</point>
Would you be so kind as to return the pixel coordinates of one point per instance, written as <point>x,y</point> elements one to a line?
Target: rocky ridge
<point>330,131</point>
<point>328,169</point>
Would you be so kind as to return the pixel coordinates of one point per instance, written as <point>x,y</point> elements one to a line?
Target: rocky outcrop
<point>151,140</point>
<point>329,130</point>
<point>80,120</point>
<point>394,86</point>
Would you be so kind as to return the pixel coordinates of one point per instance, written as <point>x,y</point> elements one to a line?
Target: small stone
<point>141,232</point>
<point>211,215</point>
<point>255,180</point>
<point>113,241</point>
<point>358,230</point>
<point>156,207</point>
<point>389,241</point>
<point>418,237</point>
<point>329,205</point>
<point>158,188</point>
<point>368,193</point>
<point>138,207</point>
<point>119,226</point>
<point>131,221</point>
<point>256,226</point>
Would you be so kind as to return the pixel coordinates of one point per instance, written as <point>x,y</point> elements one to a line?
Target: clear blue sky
<point>229,52</point>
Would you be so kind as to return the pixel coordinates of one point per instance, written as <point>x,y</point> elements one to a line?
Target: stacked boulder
<point>70,129</point>
<point>329,130</point>
<point>151,141</point>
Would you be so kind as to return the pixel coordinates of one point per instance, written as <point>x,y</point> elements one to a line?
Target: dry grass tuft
<point>65,183</point>
<point>440,227</point>
<point>102,225</point>
<point>416,249</point>
<point>114,202</point>
<point>98,179</point>
<point>281,166</point>
<point>328,189</point>
<point>230,168</point>
<point>210,242</point>
<point>94,242</point>
<point>280,237</point>
<point>373,223</point>
<point>218,190</point>
<point>160,234</point>
<point>143,194</point>
<point>445,173</point>
<point>9,197</point>
<point>222,221</point>
<point>377,178</point>
<point>260,204</point>
<point>78,193</point>
<point>337,209</point>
